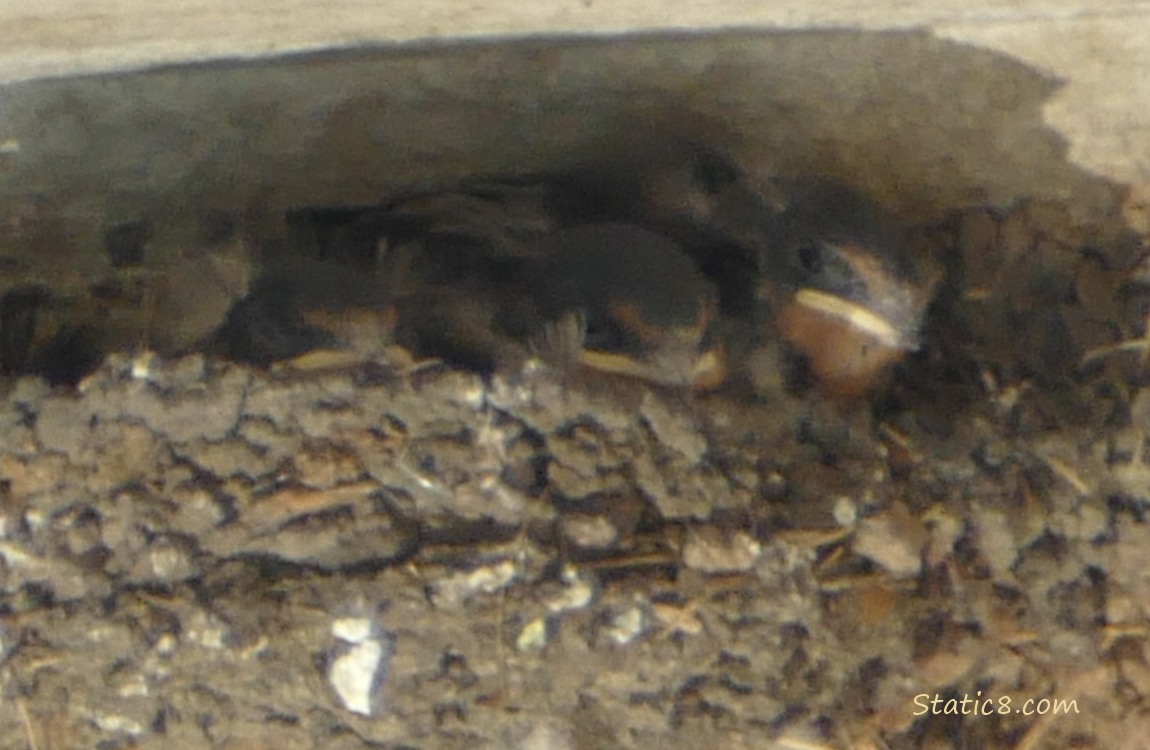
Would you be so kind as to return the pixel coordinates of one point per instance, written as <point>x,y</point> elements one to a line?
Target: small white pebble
<point>101,634</point>
<point>590,531</point>
<point>576,595</point>
<point>137,687</point>
<point>533,636</point>
<point>35,520</point>
<point>166,644</point>
<point>709,550</point>
<point>15,556</point>
<point>353,675</point>
<point>142,366</point>
<point>360,662</point>
<point>488,579</point>
<point>845,511</point>
<point>207,632</point>
<point>167,562</point>
<point>353,629</point>
<point>474,396</point>
<point>118,724</point>
<point>626,626</point>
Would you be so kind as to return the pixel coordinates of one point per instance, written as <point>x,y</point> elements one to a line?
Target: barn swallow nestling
<point>303,306</point>
<point>478,222</point>
<point>607,297</point>
<point>621,299</point>
<point>845,288</point>
<point>720,214</point>
<point>604,294</point>
<point>435,272</point>
<point>625,272</point>
<point>621,265</point>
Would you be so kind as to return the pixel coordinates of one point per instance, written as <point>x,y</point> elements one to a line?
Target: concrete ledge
<point>1100,50</point>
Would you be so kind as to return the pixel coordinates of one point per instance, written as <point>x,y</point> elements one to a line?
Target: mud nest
<point>415,547</point>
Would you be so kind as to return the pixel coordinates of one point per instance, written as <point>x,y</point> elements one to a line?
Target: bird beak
<point>705,372</point>
<point>864,321</point>
<point>673,355</point>
<point>847,346</point>
<point>710,370</point>
<point>851,339</point>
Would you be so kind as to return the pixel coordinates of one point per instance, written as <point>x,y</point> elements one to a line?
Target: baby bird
<point>621,299</point>
<point>608,297</point>
<point>844,286</point>
<point>656,271</point>
<point>303,306</point>
<point>721,216</point>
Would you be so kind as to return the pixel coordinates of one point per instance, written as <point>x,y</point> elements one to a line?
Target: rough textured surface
<point>408,556</point>
<point>398,554</point>
<point>1098,50</point>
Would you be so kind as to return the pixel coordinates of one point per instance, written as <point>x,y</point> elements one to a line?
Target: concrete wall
<point>925,105</point>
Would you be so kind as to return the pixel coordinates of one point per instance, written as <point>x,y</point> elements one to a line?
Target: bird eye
<point>810,258</point>
<point>599,333</point>
<point>712,173</point>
